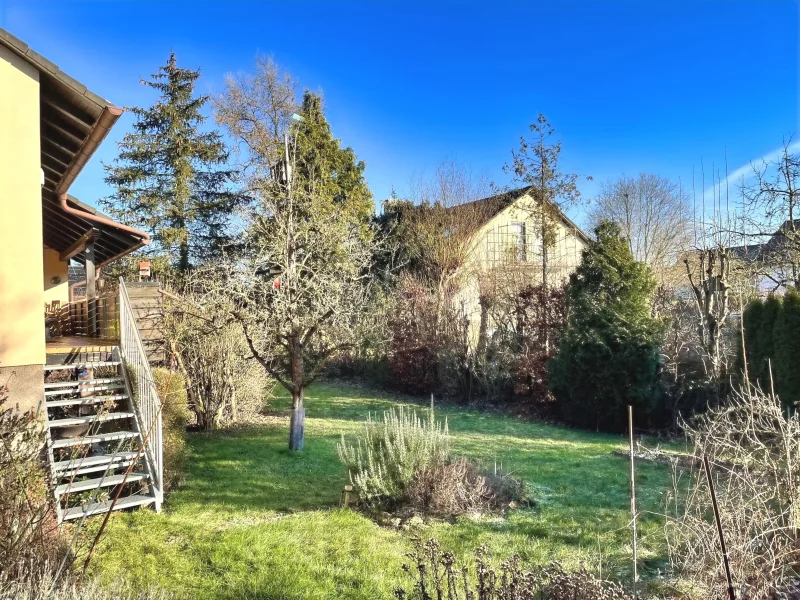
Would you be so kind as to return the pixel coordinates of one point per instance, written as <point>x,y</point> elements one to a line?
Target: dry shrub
<point>30,544</point>
<point>171,389</point>
<point>224,385</point>
<point>436,575</point>
<point>450,488</point>
<point>44,589</point>
<point>755,451</point>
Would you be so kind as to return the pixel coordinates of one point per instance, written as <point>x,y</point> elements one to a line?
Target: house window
<point>518,237</point>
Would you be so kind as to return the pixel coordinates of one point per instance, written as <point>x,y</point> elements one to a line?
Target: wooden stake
<point>633,500</point>
<point>707,466</point>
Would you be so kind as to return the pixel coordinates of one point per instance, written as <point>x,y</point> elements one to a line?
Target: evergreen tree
<point>170,178</point>
<point>786,340</point>
<point>332,171</point>
<point>753,318</point>
<point>765,342</point>
<point>608,354</point>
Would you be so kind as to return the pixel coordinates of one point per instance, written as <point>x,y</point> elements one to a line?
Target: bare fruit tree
<point>653,213</point>
<point>302,280</point>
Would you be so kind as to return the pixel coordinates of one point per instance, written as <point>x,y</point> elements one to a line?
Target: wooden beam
<point>78,246</point>
<point>91,289</point>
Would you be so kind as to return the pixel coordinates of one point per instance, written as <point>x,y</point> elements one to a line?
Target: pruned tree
<point>708,274</point>
<point>654,215</point>
<point>171,178</point>
<point>298,289</point>
<point>536,164</point>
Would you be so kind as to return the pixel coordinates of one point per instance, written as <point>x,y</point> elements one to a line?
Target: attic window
<point>519,240</point>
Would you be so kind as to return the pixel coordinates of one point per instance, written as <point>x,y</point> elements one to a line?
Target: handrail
<point>147,402</point>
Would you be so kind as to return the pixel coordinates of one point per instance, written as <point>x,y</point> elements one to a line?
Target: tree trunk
<point>298,417</point>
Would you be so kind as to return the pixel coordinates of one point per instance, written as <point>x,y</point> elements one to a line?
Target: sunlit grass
<point>254,520</point>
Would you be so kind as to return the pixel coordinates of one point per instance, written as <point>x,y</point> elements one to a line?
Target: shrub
<point>30,544</point>
<point>391,452</point>
<point>44,589</point>
<point>755,453</point>
<point>436,575</point>
<point>404,461</point>
<point>175,416</point>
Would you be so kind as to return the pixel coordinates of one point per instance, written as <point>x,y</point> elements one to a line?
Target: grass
<point>255,521</point>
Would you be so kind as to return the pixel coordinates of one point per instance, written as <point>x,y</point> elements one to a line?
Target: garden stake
<point>633,499</point>
<point>731,593</point>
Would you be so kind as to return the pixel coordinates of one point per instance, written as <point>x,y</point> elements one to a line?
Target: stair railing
<point>147,403</point>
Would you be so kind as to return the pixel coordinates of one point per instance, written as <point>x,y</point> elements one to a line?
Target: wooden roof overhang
<point>73,123</point>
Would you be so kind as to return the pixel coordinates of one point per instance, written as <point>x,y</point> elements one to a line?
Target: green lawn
<point>256,521</point>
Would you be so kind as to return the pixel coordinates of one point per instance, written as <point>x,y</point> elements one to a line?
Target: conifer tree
<point>786,340</point>
<point>753,318</point>
<point>765,342</point>
<point>608,354</point>
<point>170,177</point>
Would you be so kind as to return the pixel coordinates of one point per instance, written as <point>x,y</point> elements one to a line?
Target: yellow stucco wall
<point>493,258</point>
<point>53,267</point>
<point>21,292</point>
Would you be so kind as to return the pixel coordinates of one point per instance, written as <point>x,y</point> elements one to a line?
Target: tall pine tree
<point>608,354</point>
<point>170,177</point>
<point>786,340</point>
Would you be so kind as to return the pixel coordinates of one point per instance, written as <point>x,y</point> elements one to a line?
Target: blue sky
<point>630,86</point>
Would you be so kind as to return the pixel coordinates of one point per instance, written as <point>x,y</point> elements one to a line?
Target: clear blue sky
<point>630,86</point>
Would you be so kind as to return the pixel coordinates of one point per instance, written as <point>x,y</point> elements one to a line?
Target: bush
<point>391,452</point>
<point>171,389</point>
<point>754,450</point>
<point>436,575</point>
<point>404,461</point>
<point>90,590</point>
<point>30,544</point>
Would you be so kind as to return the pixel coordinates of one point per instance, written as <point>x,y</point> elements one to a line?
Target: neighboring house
<point>774,263</point>
<point>506,249</point>
<point>50,125</point>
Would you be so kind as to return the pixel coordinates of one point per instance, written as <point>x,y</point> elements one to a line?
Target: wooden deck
<point>78,344</point>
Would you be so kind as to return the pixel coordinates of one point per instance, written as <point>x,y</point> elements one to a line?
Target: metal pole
<point>633,500</point>
<point>707,466</point>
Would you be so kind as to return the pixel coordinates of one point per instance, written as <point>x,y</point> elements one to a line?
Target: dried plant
<point>755,451</point>
<point>436,575</point>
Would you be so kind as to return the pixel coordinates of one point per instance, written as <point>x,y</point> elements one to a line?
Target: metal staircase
<point>103,420</point>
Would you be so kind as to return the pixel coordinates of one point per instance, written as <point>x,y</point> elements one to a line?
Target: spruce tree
<point>786,339</point>
<point>170,177</point>
<point>608,355</point>
<point>765,342</point>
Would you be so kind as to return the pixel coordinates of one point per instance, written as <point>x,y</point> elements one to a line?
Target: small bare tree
<point>771,207</point>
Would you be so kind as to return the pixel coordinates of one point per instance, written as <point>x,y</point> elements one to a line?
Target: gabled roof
<point>73,122</point>
<point>493,205</point>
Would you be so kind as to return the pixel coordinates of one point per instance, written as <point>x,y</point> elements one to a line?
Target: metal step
<point>98,418</point>
<point>94,439</point>
<point>92,464</point>
<point>74,389</point>
<point>93,484</point>
<point>101,507</point>
<point>87,401</point>
<point>82,365</point>
<point>85,382</point>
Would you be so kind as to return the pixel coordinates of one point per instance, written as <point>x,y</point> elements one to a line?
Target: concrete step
<point>94,439</point>
<point>92,464</point>
<point>87,401</point>
<point>89,389</point>
<point>82,365</point>
<point>86,382</point>
<point>102,507</point>
<point>92,484</point>
<point>99,418</point>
